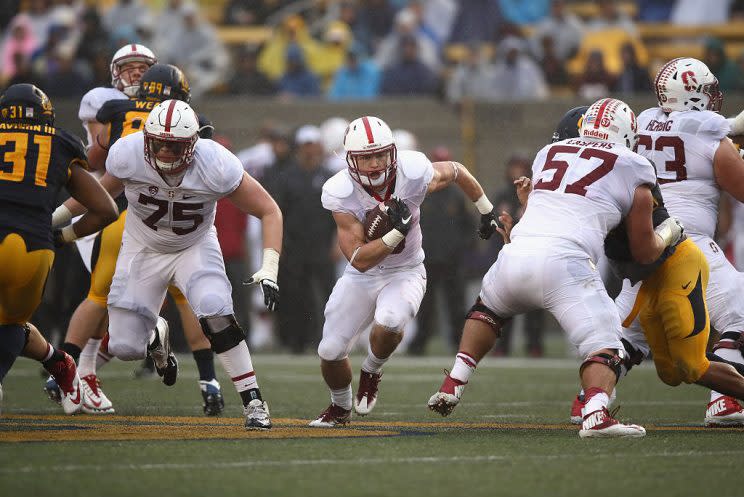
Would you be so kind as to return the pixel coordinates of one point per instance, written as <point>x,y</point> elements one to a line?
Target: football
<point>377,223</point>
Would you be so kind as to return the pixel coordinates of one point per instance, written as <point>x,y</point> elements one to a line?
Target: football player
<point>40,159</point>
<point>385,280</point>
<point>122,118</point>
<point>82,339</point>
<point>169,239</point>
<point>582,188</point>
<point>686,138</point>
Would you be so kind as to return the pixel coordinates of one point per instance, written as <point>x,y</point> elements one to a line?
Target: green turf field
<point>509,437</point>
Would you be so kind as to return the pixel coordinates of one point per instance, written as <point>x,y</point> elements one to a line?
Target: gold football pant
<point>674,317</point>
<point>23,275</point>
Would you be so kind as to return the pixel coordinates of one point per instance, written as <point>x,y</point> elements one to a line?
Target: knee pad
<point>223,332</point>
<point>390,320</point>
<point>126,351</point>
<point>480,312</point>
<point>332,349</point>
<point>611,361</point>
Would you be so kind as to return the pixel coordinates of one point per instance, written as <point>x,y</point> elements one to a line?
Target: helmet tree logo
<point>688,78</point>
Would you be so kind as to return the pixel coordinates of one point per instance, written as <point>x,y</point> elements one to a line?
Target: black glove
<point>270,292</point>
<point>400,215</point>
<point>488,224</point>
<point>58,240</point>
<point>269,289</point>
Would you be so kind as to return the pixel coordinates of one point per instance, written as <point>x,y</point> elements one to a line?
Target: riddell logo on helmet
<point>595,133</point>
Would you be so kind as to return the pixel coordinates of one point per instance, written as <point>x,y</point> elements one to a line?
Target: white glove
<point>267,277</point>
<point>670,231</point>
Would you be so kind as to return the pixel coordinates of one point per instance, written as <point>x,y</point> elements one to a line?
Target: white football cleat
<point>333,416</point>
<point>448,396</point>
<point>600,424</point>
<point>94,400</point>
<point>577,410</point>
<point>66,375</point>
<point>366,396</point>
<point>724,411</point>
<point>257,415</point>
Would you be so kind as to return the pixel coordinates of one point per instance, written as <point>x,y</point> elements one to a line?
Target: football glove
<point>400,215</point>
<point>488,224</point>
<point>670,231</point>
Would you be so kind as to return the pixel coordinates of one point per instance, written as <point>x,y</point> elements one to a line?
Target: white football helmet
<point>129,53</point>
<point>687,84</point>
<point>172,124</point>
<point>610,120</point>
<point>367,136</point>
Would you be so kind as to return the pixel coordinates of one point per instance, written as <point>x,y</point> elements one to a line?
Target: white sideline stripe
<point>360,461</point>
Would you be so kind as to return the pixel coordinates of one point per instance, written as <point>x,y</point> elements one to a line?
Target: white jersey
<point>414,173</point>
<point>92,102</point>
<point>172,218</point>
<point>582,189</point>
<point>682,146</point>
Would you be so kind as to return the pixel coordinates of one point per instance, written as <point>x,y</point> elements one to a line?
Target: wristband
<point>271,263</point>
<point>61,215</point>
<point>483,205</point>
<point>392,238</point>
<point>68,234</point>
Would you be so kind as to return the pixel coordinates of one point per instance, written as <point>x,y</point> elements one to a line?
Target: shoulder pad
<point>111,108</point>
<point>95,98</point>
<point>412,164</point>
<point>73,143</point>
<point>714,124</point>
<point>340,185</point>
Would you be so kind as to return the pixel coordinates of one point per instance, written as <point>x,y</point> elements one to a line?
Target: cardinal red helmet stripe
<point>134,47</point>
<point>368,129</point>
<point>600,113</point>
<point>169,115</point>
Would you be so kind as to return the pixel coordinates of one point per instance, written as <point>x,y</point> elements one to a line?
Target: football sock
<point>88,357</point>
<point>342,397</point>
<point>204,359</point>
<point>732,355</point>
<point>463,368</point>
<point>53,356</point>
<point>373,364</point>
<point>238,365</point>
<point>71,349</point>
<point>103,357</point>
<point>12,341</point>
<point>596,399</point>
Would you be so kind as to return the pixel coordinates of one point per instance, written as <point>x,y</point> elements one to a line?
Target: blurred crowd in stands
<point>490,50</point>
<point>493,50</point>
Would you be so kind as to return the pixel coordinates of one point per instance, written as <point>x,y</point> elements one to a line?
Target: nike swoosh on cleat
<point>95,403</point>
<point>684,287</point>
<point>76,400</point>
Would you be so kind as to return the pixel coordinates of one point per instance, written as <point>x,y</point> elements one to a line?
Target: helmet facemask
<point>373,177</point>
<point>715,96</point>
<point>180,150</point>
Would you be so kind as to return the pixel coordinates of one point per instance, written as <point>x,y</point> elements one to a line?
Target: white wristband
<point>60,216</point>
<point>270,263</point>
<point>68,234</point>
<point>483,205</point>
<point>392,238</point>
